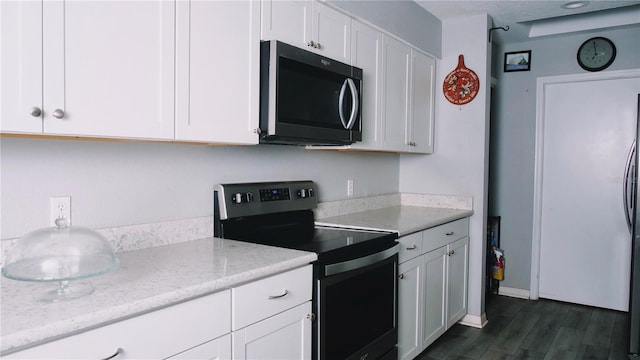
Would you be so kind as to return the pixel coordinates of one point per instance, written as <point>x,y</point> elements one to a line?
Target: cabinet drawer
<point>444,234</point>
<point>410,246</point>
<point>263,298</point>
<point>155,335</point>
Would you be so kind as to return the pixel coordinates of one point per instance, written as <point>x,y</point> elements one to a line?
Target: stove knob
<point>310,192</point>
<point>249,197</point>
<point>305,193</point>
<point>237,198</point>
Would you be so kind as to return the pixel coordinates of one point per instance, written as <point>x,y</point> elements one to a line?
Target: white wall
<point>458,165</point>
<point>513,134</point>
<point>124,183</point>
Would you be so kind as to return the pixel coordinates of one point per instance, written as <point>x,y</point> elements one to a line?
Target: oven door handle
<point>349,265</point>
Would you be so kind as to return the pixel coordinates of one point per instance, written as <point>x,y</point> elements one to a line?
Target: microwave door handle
<point>341,101</point>
<point>354,103</point>
<point>629,184</point>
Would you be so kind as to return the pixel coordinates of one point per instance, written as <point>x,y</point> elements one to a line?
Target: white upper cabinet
<point>395,104</point>
<point>217,75</point>
<point>308,24</point>
<point>331,31</point>
<point>107,68</point>
<point>420,129</point>
<point>366,53</point>
<point>21,66</point>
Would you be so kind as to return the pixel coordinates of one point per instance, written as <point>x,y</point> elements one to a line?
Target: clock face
<point>596,54</point>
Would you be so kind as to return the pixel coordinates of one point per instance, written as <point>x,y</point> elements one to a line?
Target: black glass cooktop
<point>297,231</point>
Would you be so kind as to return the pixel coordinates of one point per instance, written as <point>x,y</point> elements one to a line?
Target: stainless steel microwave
<point>307,99</point>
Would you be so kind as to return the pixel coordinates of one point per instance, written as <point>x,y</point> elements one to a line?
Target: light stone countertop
<point>402,219</point>
<point>147,279</point>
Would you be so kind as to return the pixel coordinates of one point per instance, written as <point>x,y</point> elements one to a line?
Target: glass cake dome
<point>61,254</point>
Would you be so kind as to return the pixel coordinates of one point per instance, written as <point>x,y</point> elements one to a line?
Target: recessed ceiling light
<point>575,4</point>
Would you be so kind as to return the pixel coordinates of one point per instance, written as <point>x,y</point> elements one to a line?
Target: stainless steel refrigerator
<point>631,195</point>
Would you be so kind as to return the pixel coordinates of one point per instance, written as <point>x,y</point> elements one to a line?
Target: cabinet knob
<point>36,111</point>
<point>58,114</point>
<point>311,317</point>
<point>401,276</point>
<point>318,46</point>
<point>311,43</point>
<point>411,143</point>
<point>451,252</point>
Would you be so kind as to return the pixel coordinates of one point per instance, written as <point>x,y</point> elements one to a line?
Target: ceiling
<point>532,18</point>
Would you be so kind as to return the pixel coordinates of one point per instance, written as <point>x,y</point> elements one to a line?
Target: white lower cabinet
<point>156,335</point>
<point>216,326</point>
<point>284,336</point>
<point>410,306</point>
<point>271,318</point>
<point>432,289</point>
<point>217,349</point>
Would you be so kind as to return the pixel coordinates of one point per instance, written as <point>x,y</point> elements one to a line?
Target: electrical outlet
<point>349,187</point>
<point>59,207</point>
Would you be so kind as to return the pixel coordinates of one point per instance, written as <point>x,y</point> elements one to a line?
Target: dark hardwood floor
<point>542,329</point>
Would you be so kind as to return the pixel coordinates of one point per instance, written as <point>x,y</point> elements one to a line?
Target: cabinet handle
<point>451,252</point>
<point>118,351</point>
<point>449,233</point>
<point>401,276</point>
<point>36,111</point>
<point>412,247</point>
<point>58,114</point>
<point>271,297</point>
<point>311,43</point>
<point>311,317</point>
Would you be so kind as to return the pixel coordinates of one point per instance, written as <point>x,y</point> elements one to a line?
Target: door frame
<point>541,86</point>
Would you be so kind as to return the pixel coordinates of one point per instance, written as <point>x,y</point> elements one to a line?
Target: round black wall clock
<point>596,54</point>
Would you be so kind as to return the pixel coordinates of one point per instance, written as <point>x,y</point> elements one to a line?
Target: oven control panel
<point>246,199</point>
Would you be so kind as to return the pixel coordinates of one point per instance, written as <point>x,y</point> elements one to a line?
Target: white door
<point>420,133</point>
<point>21,66</point>
<point>332,31</point>
<point>410,308</point>
<point>435,292</point>
<point>396,64</point>
<point>217,91</point>
<point>585,246</point>
<point>109,66</point>
<point>285,336</point>
<point>366,53</point>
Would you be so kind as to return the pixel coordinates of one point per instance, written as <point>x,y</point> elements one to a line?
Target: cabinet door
<point>458,255</point>
<point>366,53</point>
<point>286,20</point>
<point>435,291</point>
<point>217,349</point>
<point>410,308</point>
<point>420,131</point>
<point>217,79</point>
<point>285,336</point>
<point>331,30</point>
<point>109,67</point>
<point>20,66</point>
<point>397,59</point>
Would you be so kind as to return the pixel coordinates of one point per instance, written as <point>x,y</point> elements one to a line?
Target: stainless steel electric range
<point>355,276</point>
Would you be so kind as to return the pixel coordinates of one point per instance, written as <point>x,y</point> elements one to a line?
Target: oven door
<point>357,307</point>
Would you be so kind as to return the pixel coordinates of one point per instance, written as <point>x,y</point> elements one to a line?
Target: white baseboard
<point>513,292</point>
<point>474,321</point>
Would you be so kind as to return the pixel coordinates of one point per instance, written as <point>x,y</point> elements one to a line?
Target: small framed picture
<point>517,61</point>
